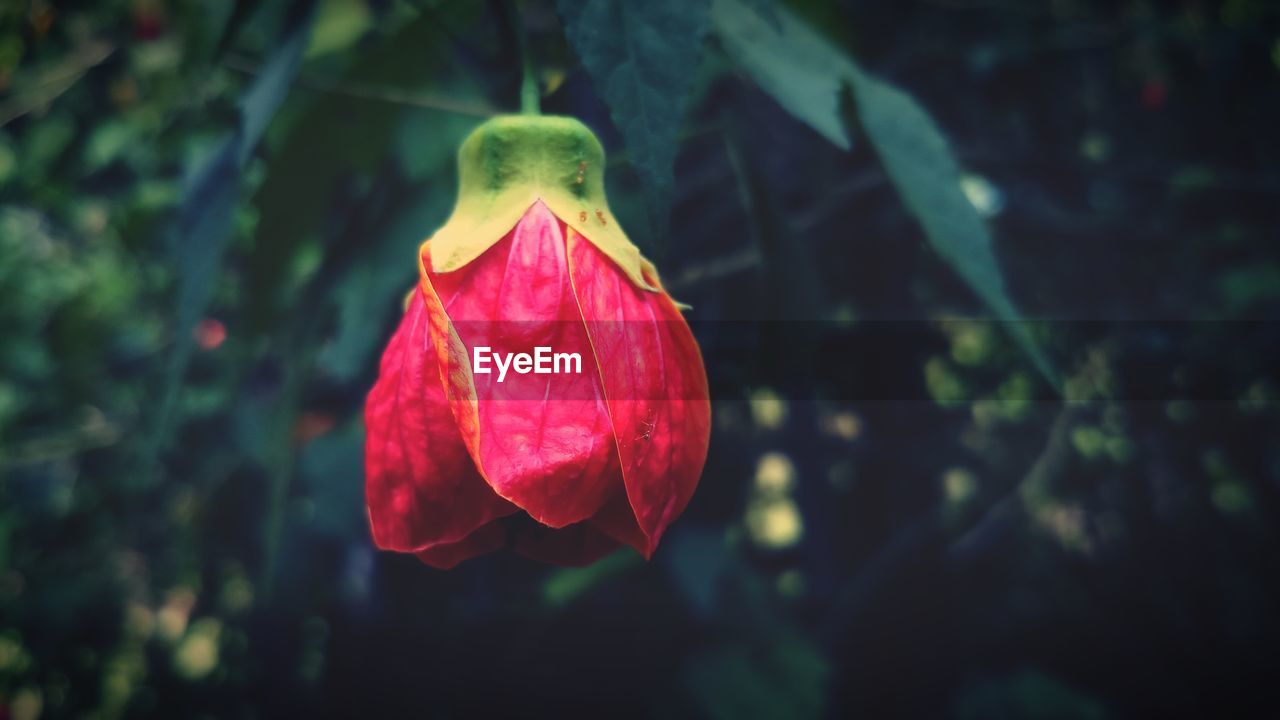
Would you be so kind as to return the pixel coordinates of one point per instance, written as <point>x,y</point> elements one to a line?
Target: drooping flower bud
<point>482,431</point>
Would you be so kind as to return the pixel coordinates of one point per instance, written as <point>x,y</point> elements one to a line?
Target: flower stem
<point>530,96</point>
<point>530,100</point>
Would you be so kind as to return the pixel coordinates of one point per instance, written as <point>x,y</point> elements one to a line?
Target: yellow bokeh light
<point>775,475</point>
<point>775,524</point>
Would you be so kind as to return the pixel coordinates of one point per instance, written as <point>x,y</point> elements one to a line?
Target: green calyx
<point>512,161</point>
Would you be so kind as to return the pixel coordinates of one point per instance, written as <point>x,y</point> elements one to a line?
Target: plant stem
<point>530,100</point>
<point>530,96</point>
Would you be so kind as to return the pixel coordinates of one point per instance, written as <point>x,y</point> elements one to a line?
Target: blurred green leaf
<point>643,59</point>
<point>36,88</point>
<point>339,24</point>
<point>924,170</point>
<point>784,676</point>
<point>915,154</point>
<point>375,285</point>
<point>427,142</point>
<point>944,385</point>
<point>212,187</point>
<point>44,144</point>
<point>698,561</point>
<point>210,194</point>
<point>806,78</point>
<point>109,141</point>
<point>269,90</point>
<point>1030,695</point>
<point>321,152</point>
<point>239,14</point>
<point>380,276</point>
<point>8,159</point>
<point>330,468</point>
<point>567,584</point>
<point>1245,288</point>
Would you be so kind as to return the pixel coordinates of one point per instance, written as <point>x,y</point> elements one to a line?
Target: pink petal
<point>656,388</point>
<point>421,487</point>
<point>485,540</point>
<point>578,544</point>
<point>617,520</point>
<point>542,441</point>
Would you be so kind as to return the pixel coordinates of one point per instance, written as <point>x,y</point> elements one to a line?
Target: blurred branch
<point>907,544</point>
<point>469,52</point>
<point>48,83</point>
<point>210,196</point>
<point>856,593</point>
<point>1001,516</point>
<point>395,96</point>
<point>836,198</point>
<point>95,433</point>
<point>1214,178</point>
<point>716,268</point>
<point>745,259</point>
<point>297,343</point>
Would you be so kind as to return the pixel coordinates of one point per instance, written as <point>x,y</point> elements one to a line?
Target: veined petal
<point>542,441</point>
<point>421,487</point>
<point>577,544</point>
<point>487,539</point>
<point>617,520</point>
<point>655,385</point>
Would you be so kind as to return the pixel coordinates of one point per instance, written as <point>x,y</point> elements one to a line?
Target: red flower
<point>562,466</point>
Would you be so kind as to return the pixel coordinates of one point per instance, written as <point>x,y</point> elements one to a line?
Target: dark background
<point>902,513</point>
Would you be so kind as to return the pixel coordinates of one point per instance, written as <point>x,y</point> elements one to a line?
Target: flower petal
<point>578,544</point>
<point>421,487</point>
<point>656,387</point>
<point>485,540</point>
<point>617,520</point>
<point>542,441</point>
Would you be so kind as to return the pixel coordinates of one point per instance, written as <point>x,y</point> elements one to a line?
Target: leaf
<point>425,146</point>
<point>36,88</point>
<point>916,156</point>
<point>239,15</point>
<point>108,142</point>
<point>211,191</point>
<point>698,561</point>
<point>268,91</point>
<point>327,466</point>
<point>806,78</point>
<point>427,141</point>
<point>785,678</point>
<point>642,57</point>
<point>761,666</point>
<point>311,164</point>
<point>565,585</point>
<point>339,24</point>
<point>1027,693</point>
<point>376,285</point>
<point>924,170</point>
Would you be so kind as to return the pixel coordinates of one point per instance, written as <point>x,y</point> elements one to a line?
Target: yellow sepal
<point>512,161</point>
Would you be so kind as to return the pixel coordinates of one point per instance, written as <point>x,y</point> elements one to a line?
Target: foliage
<point>640,55</point>
<point>811,79</point>
<point>916,501</point>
